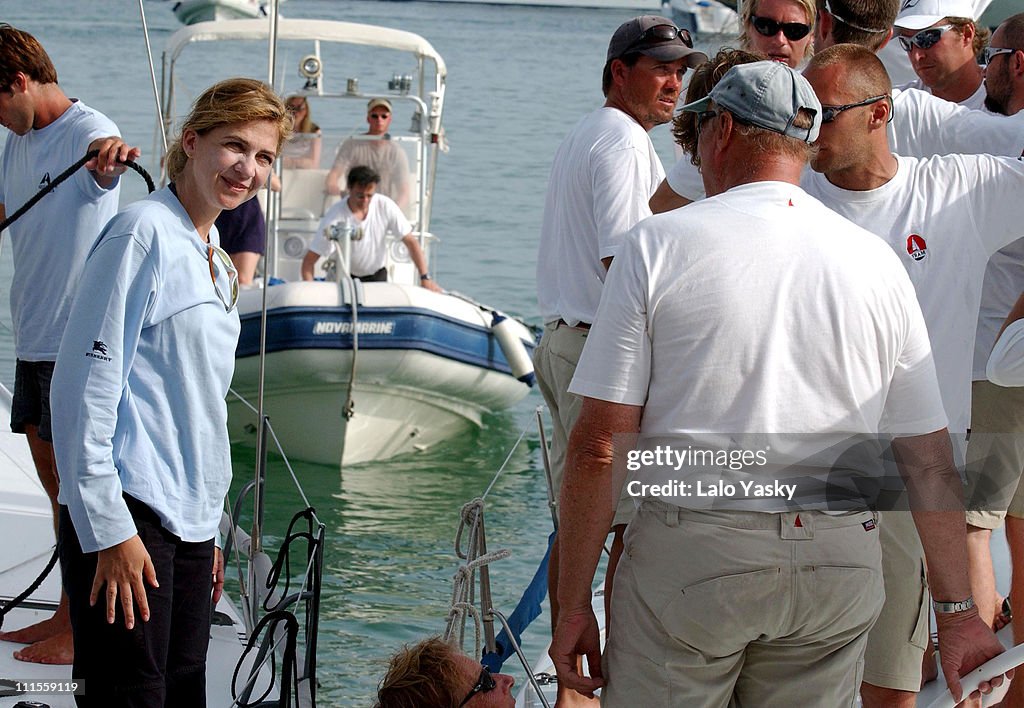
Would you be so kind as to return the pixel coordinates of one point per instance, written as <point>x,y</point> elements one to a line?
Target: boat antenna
<point>152,76</point>
<point>260,477</point>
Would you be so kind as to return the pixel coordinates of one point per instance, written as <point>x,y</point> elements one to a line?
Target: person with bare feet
<point>49,132</point>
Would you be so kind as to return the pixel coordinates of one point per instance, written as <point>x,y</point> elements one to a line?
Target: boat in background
<point>647,6</point>
<point>357,371</point>
<point>190,12</point>
<point>704,17</point>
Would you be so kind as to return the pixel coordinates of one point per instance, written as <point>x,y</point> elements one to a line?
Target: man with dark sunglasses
<point>943,42</point>
<point>375,149</point>
<point>922,124</point>
<point>435,674</point>
<point>603,173</point>
<point>944,217</point>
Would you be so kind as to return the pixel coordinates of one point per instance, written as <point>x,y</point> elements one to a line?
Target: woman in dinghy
<point>139,413</point>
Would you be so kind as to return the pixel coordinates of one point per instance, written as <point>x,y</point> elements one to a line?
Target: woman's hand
<point>218,574</point>
<point>122,568</point>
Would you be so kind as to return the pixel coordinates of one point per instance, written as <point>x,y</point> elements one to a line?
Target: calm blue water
<point>518,79</point>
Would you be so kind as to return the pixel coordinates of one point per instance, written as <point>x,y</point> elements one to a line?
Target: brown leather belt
<point>581,325</point>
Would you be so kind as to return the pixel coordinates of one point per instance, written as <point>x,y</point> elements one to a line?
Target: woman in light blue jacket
<point>139,417</point>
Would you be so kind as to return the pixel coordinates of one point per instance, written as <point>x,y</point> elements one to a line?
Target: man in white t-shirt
<point>922,125</point>
<point>604,172</point>
<point>719,322</point>
<point>944,216</point>
<point>49,133</point>
<point>367,217</point>
<point>943,42</point>
<point>1006,363</point>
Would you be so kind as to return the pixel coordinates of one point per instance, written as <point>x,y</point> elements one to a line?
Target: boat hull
<point>189,12</point>
<point>426,366</point>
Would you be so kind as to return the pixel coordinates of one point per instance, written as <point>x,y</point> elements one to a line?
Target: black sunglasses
<point>829,113</point>
<point>702,118</point>
<point>793,31</point>
<point>484,684</point>
<point>659,34</point>
<point>925,39</point>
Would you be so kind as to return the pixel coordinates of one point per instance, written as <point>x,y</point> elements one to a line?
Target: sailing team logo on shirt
<point>44,182</point>
<point>916,247</point>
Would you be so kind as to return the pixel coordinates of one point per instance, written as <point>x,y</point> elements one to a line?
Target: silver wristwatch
<point>949,608</point>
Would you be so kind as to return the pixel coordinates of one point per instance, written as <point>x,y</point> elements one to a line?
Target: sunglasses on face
<point>231,300</point>
<point>295,108</point>
<point>830,113</point>
<point>925,39</point>
<point>793,31</point>
<point>484,684</point>
<point>991,53</point>
<point>659,34</point>
<point>702,118</point>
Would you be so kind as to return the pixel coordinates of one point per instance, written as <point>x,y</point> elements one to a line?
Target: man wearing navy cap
<point>733,334</point>
<point>603,174</point>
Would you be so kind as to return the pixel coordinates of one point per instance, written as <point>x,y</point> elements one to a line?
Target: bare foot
<point>60,623</point>
<point>59,649</point>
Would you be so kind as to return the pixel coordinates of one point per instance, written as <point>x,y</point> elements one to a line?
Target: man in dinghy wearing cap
<point>731,327</point>
<point>603,174</point>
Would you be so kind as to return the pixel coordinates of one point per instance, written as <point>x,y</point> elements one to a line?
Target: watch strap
<point>949,608</point>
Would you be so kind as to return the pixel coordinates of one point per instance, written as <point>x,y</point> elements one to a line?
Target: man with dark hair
<point>434,674</point>
<point>604,172</point>
<point>49,244</point>
<point>719,322</point>
<point>367,217</point>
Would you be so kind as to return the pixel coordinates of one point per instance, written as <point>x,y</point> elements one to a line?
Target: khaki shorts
<point>995,455</point>
<point>554,361</point>
<point>713,607</point>
<point>897,642</point>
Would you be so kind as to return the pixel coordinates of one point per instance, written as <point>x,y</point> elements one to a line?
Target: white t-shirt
<point>369,252</point>
<point>1006,365</point>
<point>922,126</point>
<point>603,175</point>
<point>735,316</point>
<point>944,217</point>
<point>1004,282</point>
<point>50,242</point>
<point>976,101</point>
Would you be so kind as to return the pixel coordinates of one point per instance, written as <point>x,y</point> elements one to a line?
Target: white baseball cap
<point>918,14</point>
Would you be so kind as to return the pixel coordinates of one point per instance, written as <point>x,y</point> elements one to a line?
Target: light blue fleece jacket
<point>141,377</point>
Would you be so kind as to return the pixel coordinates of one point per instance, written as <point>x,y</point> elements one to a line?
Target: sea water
<point>518,79</point>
